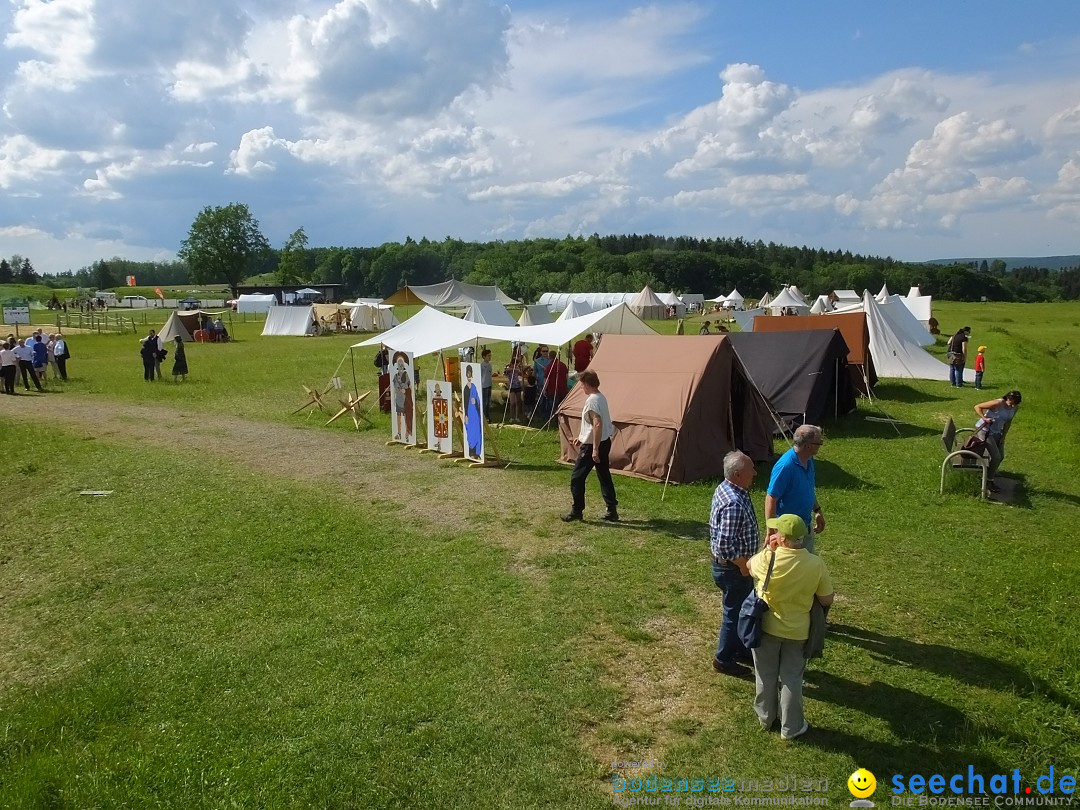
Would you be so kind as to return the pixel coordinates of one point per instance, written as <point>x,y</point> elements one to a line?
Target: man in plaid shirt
<point>734,538</point>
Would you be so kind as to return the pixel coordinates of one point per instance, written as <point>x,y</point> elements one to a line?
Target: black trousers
<point>8,373</point>
<point>148,364</point>
<point>61,365</point>
<point>26,367</point>
<point>583,467</point>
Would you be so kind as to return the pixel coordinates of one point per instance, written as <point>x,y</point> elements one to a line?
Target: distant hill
<point>1013,262</point>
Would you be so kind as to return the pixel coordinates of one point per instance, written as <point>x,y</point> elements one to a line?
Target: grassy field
<point>271,612</point>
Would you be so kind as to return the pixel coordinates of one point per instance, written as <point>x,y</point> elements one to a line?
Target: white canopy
<point>489,312</point>
<point>575,309</point>
<point>821,304</point>
<point>883,294</point>
<point>290,321</point>
<point>431,331</point>
<point>255,302</point>
<point>921,306</point>
<point>798,294</point>
<point>847,297</point>
<point>449,294</point>
<point>533,314</point>
<point>693,299</point>
<point>766,299</point>
<point>734,298</point>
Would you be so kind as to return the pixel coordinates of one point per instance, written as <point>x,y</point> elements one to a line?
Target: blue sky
<point>919,130</point>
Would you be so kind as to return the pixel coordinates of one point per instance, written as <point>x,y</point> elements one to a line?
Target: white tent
<point>921,306</point>
<point>290,321</point>
<point>895,310</point>
<point>791,288</point>
<point>786,299</point>
<point>557,302</point>
<point>895,355</point>
<point>734,299</point>
<point>255,302</point>
<point>670,299</point>
<point>846,298</point>
<point>647,305</point>
<point>575,309</point>
<point>489,312</point>
<point>431,331</point>
<point>765,300</point>
<point>693,300</point>
<point>883,294</point>
<point>449,295</point>
<point>376,317</point>
<point>745,318</point>
<point>534,314</point>
<point>821,304</point>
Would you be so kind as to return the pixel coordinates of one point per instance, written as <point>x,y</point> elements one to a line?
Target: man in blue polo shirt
<point>792,487</point>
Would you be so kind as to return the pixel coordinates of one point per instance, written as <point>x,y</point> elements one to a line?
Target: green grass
<point>215,635</point>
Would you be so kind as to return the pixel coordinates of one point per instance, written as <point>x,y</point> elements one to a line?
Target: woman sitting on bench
<point>998,413</point>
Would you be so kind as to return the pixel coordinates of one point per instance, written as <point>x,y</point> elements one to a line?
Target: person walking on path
<point>594,450</point>
<point>733,538</point>
<point>179,365</point>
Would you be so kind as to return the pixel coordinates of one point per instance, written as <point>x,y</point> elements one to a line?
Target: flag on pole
<point>160,294</point>
<point>131,281</point>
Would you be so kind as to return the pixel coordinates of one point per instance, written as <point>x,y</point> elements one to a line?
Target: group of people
<point>33,357</point>
<point>215,329</point>
<point>153,353</point>
<point>784,570</point>
<point>534,388</point>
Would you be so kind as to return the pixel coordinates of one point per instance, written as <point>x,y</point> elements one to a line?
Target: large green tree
<point>292,263</point>
<point>223,245</point>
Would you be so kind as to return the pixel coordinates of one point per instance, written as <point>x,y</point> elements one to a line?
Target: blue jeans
<point>736,588</point>
<point>978,379</point>
<point>956,375</point>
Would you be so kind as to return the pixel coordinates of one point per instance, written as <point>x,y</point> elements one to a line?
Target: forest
<point>618,263</point>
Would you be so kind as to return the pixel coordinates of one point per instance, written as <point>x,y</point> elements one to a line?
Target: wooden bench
<point>961,459</point>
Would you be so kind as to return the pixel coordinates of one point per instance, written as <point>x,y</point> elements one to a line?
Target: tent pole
<point>352,359</point>
<point>670,464</point>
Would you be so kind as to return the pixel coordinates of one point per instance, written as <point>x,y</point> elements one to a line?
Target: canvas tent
<point>734,299</point>
<point>534,314</point>
<point>895,353</point>
<point>693,300</point>
<point>185,324</point>
<point>490,312</point>
<point>803,374</point>
<point>430,330</point>
<point>845,298</point>
<point>678,404</point>
<point>883,294</point>
<point>919,305</point>
<point>290,321</point>
<point>647,306</point>
<point>575,309</point>
<point>255,302</point>
<point>368,317</point>
<point>746,318</point>
<point>821,305</point>
<point>852,325</point>
<point>449,295</point>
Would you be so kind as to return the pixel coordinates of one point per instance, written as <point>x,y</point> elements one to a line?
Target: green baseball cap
<point>791,526</point>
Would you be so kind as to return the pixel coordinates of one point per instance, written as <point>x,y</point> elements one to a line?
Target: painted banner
<point>402,398</point>
<point>440,425</point>
<point>472,411</point>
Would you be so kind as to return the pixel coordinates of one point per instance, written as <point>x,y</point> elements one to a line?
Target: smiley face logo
<point>861,783</point>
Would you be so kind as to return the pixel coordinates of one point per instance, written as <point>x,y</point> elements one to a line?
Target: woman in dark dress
<point>179,366</point>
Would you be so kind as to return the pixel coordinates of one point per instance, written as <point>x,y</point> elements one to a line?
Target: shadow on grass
<point>861,427</point>
<point>681,529</point>
<point>832,476</point>
<point>961,665</point>
<point>900,392</point>
<point>1064,497</point>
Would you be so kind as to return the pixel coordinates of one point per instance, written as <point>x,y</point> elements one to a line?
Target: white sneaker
<point>805,728</point>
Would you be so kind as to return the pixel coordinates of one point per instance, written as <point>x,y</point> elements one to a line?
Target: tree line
<point>225,245</point>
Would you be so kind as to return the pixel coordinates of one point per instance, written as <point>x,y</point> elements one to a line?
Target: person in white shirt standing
<point>594,449</point>
<point>60,352</point>
<point>9,366</point>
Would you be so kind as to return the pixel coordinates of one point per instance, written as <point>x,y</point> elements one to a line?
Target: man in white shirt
<point>60,352</point>
<point>594,448</point>
<point>25,354</point>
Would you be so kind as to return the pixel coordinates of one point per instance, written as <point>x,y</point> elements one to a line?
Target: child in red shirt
<point>980,366</point>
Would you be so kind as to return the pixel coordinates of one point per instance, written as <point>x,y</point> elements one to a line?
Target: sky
<point>917,130</point>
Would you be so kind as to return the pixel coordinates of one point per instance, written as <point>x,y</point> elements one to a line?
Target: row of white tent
<point>644,301</point>
<point>310,319</point>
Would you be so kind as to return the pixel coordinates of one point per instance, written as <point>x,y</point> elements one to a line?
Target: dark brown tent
<point>852,326</point>
<point>678,404</point>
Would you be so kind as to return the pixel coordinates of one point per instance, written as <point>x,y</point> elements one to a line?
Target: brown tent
<point>676,401</point>
<point>852,326</point>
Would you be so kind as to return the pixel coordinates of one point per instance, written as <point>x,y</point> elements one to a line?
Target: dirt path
<point>359,465</point>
